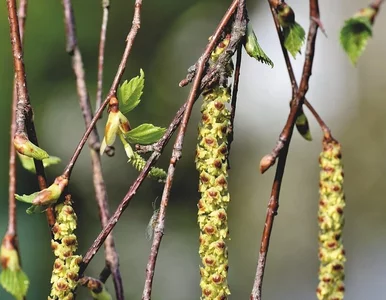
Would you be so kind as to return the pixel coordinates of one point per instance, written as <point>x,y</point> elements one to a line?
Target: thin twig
<point>291,73</point>
<point>158,148</point>
<point>101,54</point>
<point>273,204</point>
<point>238,33</point>
<point>12,222</point>
<point>235,88</point>
<point>122,66</point>
<point>296,102</point>
<point>111,255</point>
<point>24,115</point>
<point>376,4</point>
<point>10,239</point>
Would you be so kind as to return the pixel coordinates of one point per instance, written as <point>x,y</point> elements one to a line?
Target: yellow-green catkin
<point>64,277</point>
<point>211,162</point>
<point>331,221</point>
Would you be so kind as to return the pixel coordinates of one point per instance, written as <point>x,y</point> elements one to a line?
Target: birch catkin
<point>331,221</point>
<point>64,277</point>
<point>211,162</point>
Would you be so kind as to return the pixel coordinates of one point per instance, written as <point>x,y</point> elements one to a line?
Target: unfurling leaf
<point>253,48</point>
<point>303,126</point>
<point>354,36</point>
<point>129,93</point>
<point>24,146</point>
<point>44,197</point>
<point>12,277</point>
<point>294,37</point>
<point>116,122</point>
<point>29,165</point>
<point>145,134</point>
<point>26,198</point>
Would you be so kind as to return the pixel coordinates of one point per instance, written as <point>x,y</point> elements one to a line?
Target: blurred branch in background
<point>111,255</point>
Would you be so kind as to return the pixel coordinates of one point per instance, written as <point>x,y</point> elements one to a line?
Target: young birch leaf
<point>294,37</point>
<point>15,282</point>
<point>129,93</point>
<point>253,48</point>
<point>29,165</point>
<point>26,198</point>
<point>145,134</point>
<point>354,37</point>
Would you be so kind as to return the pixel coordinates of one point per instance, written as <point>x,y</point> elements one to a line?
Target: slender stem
<point>24,115</point>
<point>111,255</point>
<point>177,148</point>
<point>236,79</point>
<point>101,55</point>
<point>122,66</point>
<point>274,199</point>
<point>12,222</point>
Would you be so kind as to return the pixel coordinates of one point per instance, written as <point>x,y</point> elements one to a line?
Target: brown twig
<point>237,34</point>
<point>101,54</point>
<point>10,240</point>
<point>12,222</point>
<point>122,66</point>
<point>291,73</point>
<point>24,115</point>
<point>269,160</point>
<point>376,4</point>
<point>235,88</point>
<point>274,199</point>
<point>111,255</point>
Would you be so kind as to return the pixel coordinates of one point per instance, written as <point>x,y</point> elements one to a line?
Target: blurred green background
<point>172,36</point>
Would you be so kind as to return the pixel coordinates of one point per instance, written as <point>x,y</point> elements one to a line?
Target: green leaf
<point>26,198</point>
<point>294,37</point>
<point>253,48</point>
<point>36,209</point>
<point>354,37</point>
<point>14,282</point>
<point>29,165</point>
<point>129,93</point>
<point>12,278</point>
<point>145,134</point>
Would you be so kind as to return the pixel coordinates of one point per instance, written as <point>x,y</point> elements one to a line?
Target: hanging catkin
<point>331,221</point>
<point>211,162</point>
